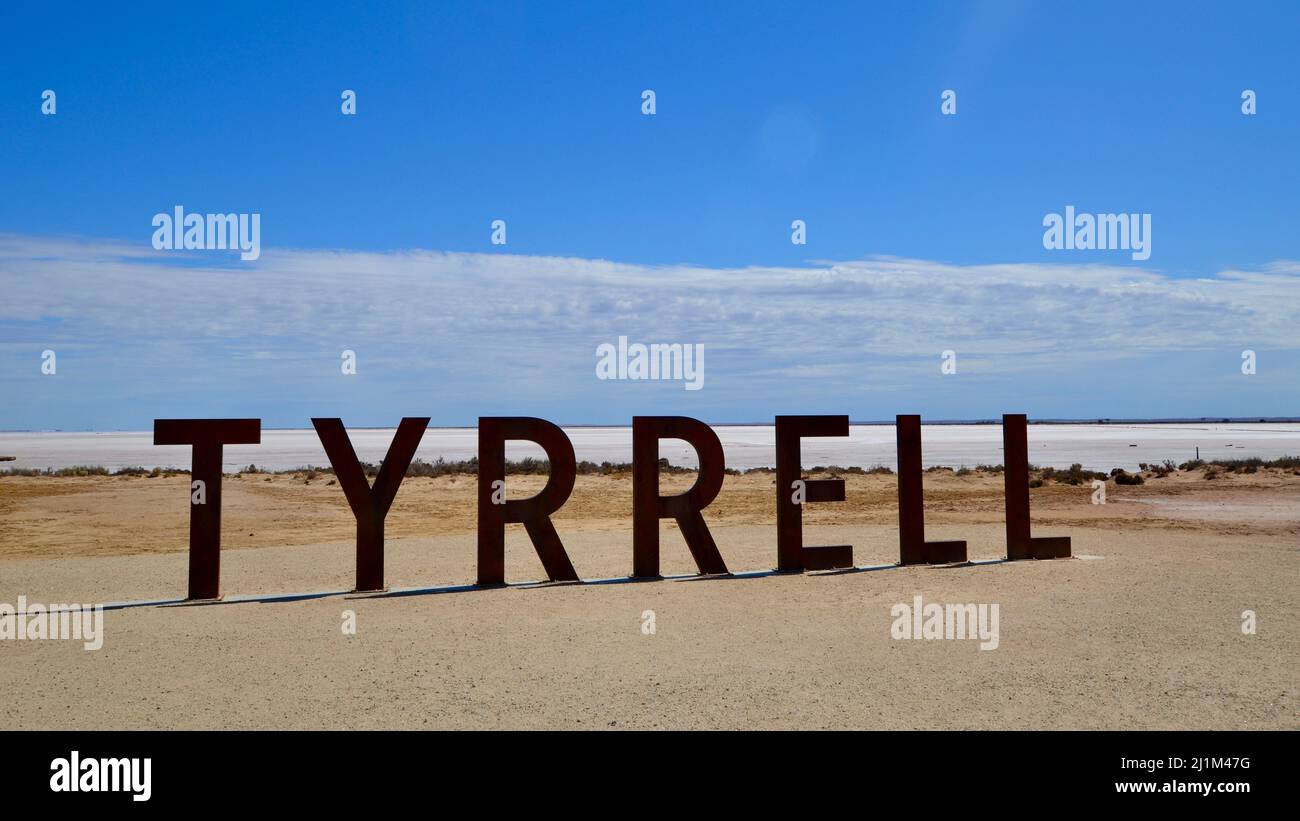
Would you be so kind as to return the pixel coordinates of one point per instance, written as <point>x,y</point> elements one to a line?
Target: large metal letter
<point>913,548</point>
<point>648,507</point>
<point>1015,471</point>
<point>370,505</point>
<point>206,437</point>
<point>534,512</point>
<point>791,554</point>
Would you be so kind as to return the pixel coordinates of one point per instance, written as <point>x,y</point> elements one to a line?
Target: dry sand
<point>1143,630</point>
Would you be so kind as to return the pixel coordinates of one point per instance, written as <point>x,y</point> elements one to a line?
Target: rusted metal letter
<point>791,554</point>
<point>913,548</point>
<point>206,438</point>
<point>648,507</point>
<point>494,510</point>
<point>370,505</point>
<point>1015,472</point>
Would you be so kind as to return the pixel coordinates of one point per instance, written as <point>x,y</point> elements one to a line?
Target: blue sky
<point>924,231</point>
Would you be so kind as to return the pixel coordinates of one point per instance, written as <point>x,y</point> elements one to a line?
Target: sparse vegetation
<point>1074,475</point>
<point>90,470</point>
<point>1158,471</point>
<point>76,470</point>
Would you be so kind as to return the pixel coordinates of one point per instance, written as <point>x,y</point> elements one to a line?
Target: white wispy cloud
<point>143,333</point>
<point>787,318</point>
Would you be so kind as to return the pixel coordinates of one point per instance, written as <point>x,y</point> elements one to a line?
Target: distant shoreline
<point>1095,446</point>
<point>1215,420</point>
<point>1075,475</point>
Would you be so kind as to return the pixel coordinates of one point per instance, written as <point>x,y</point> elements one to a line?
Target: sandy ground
<point>1142,630</point>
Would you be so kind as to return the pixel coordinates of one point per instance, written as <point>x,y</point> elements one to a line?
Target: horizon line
<point>1102,420</point>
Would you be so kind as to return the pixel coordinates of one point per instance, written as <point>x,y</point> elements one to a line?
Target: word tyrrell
<point>370,504</point>
<point>192,232</point>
